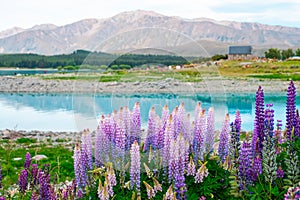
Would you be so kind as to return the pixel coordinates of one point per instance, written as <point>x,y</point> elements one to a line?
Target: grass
<point>229,69</point>
<point>295,77</point>
<point>58,156</point>
<point>277,70</point>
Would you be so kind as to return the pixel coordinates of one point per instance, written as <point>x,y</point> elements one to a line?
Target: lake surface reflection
<point>74,112</point>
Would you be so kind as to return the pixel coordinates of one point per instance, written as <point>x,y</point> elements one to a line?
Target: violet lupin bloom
<point>151,129</point>
<point>80,173</point>
<point>135,166</point>
<point>165,116</point>
<point>86,149</point>
<point>234,145</point>
<point>34,173</point>
<point>256,167</point>
<point>290,109</point>
<point>269,151</point>
<point>0,176</point>
<point>198,110</point>
<point>199,136</point>
<point>97,149</point>
<point>136,123</point>
<point>245,160</point>
<point>172,160</point>
<point>180,165</point>
<point>210,131</point>
<point>280,172</point>
<point>27,161</point>
<point>224,139</point>
<point>258,132</point>
<point>168,137</point>
<point>297,124</point>
<point>23,181</point>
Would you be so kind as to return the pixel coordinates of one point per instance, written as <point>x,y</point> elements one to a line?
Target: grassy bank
<point>12,155</point>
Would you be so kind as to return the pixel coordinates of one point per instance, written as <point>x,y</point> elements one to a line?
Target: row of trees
<point>82,57</point>
<point>281,54</point>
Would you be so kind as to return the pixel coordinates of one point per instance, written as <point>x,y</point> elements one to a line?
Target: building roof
<point>238,50</point>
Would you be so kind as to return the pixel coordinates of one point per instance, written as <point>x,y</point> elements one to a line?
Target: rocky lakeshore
<point>41,135</point>
<point>169,85</point>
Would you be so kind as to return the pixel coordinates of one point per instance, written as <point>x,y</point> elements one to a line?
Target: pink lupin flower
<point>191,169</point>
<point>150,190</point>
<point>170,194</point>
<point>202,172</point>
<point>157,185</point>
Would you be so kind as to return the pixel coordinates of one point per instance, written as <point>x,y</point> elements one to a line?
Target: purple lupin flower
<point>165,116</point>
<point>23,181</point>
<point>256,167</point>
<point>168,137</point>
<point>234,144</point>
<point>198,110</point>
<point>136,123</point>
<point>80,173</point>
<point>172,160</point>
<point>87,149</point>
<point>127,126</point>
<point>181,121</point>
<point>269,151</point>
<point>0,176</point>
<point>135,166</point>
<point>269,120</point>
<point>280,172</point>
<point>34,174</point>
<point>45,191</point>
<point>180,165</point>
<point>258,132</point>
<point>210,131</point>
<point>224,139</point>
<point>297,124</point>
<point>34,196</point>
<point>199,136</point>
<point>160,134</point>
<point>151,130</point>
<point>290,109</point>
<point>97,149</point>
<point>245,160</point>
<point>27,161</point>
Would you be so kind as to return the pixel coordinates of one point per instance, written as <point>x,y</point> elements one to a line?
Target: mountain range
<point>148,32</point>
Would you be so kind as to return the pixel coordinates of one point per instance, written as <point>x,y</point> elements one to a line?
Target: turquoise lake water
<point>74,112</point>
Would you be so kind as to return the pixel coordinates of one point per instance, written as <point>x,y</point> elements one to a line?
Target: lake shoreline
<point>31,84</point>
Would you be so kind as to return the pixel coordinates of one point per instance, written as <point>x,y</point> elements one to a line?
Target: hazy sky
<point>27,13</point>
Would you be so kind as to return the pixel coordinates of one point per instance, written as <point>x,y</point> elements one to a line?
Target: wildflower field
<point>178,156</point>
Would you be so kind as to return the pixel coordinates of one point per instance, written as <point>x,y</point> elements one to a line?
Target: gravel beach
<point>37,85</point>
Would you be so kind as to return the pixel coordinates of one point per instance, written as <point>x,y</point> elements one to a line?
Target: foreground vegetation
<point>175,159</point>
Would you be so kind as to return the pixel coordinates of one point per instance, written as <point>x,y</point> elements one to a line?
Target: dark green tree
<point>285,54</point>
<point>297,53</point>
<point>273,53</point>
<point>219,57</point>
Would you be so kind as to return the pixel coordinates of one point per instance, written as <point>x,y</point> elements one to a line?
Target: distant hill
<point>138,30</point>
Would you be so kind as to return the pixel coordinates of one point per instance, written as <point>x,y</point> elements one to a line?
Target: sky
<point>27,13</point>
